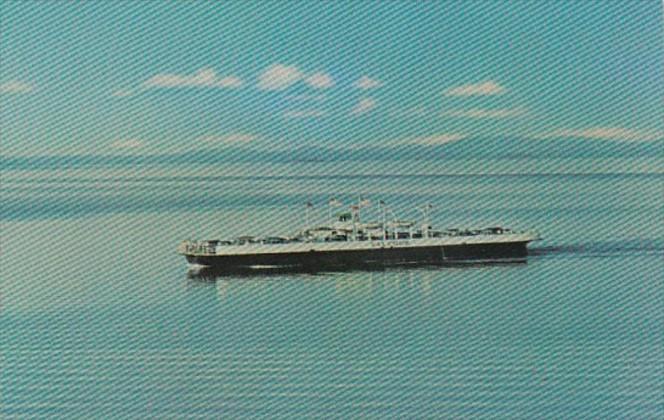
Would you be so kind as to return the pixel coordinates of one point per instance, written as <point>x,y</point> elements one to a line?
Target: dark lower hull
<point>384,257</point>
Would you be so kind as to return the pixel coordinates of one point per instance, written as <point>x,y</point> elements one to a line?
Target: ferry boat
<point>349,243</point>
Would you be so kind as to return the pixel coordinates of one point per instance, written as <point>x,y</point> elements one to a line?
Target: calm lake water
<point>100,318</point>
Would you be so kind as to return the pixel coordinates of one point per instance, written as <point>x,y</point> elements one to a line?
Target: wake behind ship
<point>349,243</point>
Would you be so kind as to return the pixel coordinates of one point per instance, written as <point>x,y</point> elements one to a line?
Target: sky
<point>177,78</point>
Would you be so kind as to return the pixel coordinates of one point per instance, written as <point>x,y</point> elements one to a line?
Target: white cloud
<point>436,139</point>
<point>364,105</point>
<point>16,87</point>
<point>205,77</point>
<point>126,144</point>
<point>279,77</point>
<point>233,138</point>
<point>606,133</point>
<point>365,82</point>
<point>478,89</point>
<point>485,113</point>
<point>230,82</point>
<point>123,93</point>
<point>319,80</point>
<point>307,113</point>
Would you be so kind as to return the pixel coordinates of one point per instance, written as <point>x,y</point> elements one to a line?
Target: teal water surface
<point>100,316</point>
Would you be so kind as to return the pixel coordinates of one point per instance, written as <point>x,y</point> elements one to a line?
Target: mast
<point>426,223</point>
<point>306,216</point>
<point>359,207</point>
<point>428,219</point>
<point>332,203</point>
<point>355,214</point>
<point>384,215</point>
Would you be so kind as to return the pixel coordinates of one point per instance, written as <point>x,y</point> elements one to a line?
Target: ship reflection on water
<point>347,284</point>
<point>211,274</point>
